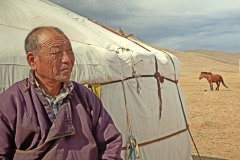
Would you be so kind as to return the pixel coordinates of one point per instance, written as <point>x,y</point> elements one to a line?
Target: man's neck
<point>50,88</point>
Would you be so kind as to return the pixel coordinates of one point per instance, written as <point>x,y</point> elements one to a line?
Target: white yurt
<point>137,84</point>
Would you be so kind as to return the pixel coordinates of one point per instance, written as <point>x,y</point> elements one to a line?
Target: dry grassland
<point>214,115</point>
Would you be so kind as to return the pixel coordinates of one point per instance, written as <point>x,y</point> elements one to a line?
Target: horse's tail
<point>224,84</point>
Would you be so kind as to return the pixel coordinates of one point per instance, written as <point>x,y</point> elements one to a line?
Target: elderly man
<point>47,116</point>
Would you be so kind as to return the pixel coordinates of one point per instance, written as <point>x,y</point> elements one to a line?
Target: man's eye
<point>57,52</point>
<point>70,51</point>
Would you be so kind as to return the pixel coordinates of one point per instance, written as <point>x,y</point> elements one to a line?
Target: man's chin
<point>63,78</point>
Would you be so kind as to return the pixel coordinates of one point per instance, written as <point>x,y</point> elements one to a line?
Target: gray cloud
<point>174,25</point>
<point>211,32</point>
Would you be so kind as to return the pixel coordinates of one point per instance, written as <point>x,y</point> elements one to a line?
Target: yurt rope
<point>184,114</point>
<point>127,112</point>
<point>132,146</point>
<point>160,80</point>
<point>132,149</point>
<point>136,74</point>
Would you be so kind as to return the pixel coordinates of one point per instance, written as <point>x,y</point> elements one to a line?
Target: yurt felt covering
<point>137,83</point>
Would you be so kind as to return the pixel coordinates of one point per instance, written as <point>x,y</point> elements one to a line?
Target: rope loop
<point>136,75</point>
<point>132,152</point>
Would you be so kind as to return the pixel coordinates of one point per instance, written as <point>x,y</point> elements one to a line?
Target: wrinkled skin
<point>53,63</point>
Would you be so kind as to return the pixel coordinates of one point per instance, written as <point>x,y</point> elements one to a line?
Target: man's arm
<point>6,139</point>
<point>107,136</point>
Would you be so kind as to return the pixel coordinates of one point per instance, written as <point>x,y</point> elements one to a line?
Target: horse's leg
<point>218,84</point>
<point>211,86</point>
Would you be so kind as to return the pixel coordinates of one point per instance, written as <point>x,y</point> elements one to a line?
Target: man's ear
<point>31,58</point>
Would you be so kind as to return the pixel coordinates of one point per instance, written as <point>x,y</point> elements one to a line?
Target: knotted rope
<point>160,79</point>
<point>132,152</point>
<point>136,75</point>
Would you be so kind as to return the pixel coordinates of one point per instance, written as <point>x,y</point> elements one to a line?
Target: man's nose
<point>67,57</point>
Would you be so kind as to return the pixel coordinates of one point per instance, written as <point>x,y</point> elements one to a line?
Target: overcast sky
<point>173,24</point>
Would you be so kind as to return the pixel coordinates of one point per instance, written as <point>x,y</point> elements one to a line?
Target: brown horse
<point>213,78</point>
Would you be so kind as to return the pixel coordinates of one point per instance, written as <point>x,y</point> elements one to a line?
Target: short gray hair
<point>31,41</point>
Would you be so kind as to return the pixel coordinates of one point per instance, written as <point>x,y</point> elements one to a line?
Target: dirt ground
<point>214,116</point>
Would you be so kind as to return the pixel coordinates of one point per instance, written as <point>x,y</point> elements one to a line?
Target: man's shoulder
<point>16,88</point>
<point>76,83</point>
<point>12,96</point>
<point>78,86</point>
<point>82,89</point>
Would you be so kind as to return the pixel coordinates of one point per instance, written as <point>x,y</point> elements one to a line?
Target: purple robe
<point>82,128</point>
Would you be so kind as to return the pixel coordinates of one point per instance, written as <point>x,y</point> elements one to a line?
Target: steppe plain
<point>214,116</point>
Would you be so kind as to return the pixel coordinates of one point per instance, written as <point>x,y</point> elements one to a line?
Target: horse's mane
<point>207,72</point>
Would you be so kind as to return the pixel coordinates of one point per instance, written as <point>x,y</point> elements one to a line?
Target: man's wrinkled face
<point>55,57</point>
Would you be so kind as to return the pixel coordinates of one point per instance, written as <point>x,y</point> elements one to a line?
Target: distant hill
<point>225,57</point>
<point>205,60</point>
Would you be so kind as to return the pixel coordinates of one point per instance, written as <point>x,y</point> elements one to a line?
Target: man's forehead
<point>54,39</point>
